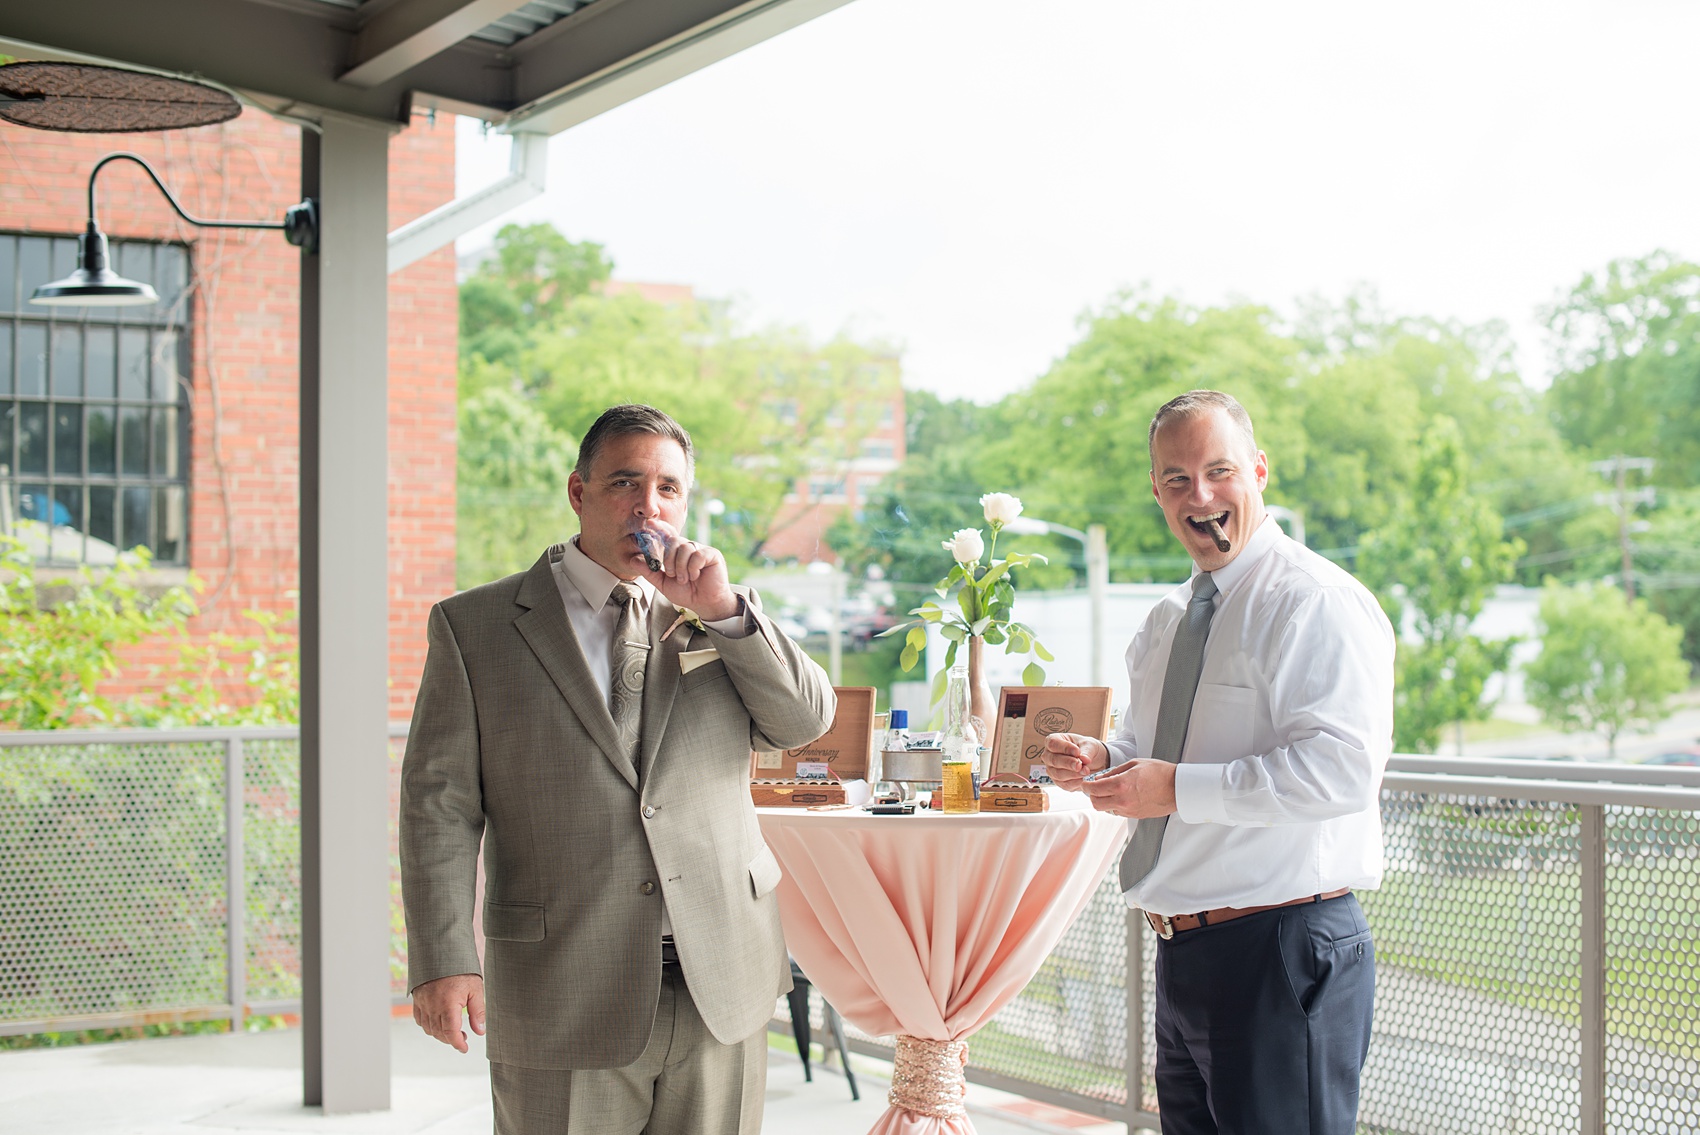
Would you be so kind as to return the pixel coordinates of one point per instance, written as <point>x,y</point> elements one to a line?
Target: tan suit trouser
<point>685,1083</point>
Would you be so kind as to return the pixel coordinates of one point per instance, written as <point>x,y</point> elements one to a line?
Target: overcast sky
<point>966,177</point>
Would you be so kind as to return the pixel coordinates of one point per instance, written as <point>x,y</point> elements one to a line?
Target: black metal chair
<point>798,999</point>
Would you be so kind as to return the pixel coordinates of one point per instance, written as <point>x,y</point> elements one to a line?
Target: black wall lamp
<point>93,284</point>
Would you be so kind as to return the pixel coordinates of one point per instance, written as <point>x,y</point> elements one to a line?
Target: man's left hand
<point>694,575</point>
<point>1137,790</point>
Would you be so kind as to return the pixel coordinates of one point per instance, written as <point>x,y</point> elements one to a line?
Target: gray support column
<point>345,916</point>
<point>1593,1032</point>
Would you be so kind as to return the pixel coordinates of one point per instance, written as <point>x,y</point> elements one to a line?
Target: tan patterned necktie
<point>629,657</point>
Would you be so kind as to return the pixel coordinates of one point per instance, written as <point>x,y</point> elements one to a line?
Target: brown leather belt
<point>1167,925</point>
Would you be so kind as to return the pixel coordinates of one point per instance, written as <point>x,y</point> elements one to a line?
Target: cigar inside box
<point>1012,794</point>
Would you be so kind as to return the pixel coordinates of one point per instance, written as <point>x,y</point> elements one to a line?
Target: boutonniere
<point>686,615</point>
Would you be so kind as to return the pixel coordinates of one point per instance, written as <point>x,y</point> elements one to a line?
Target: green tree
<point>1606,664</point>
<point>511,486</point>
<point>524,287</point>
<point>1629,349</point>
<point>1432,566</point>
<point>56,658</point>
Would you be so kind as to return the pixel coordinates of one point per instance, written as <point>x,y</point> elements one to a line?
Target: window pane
<point>32,359</point>
<point>166,460</point>
<point>135,530</point>
<point>164,361</point>
<point>168,524</point>
<point>34,503</point>
<point>133,439</point>
<point>35,268</point>
<point>171,264</point>
<point>68,506</point>
<point>5,355</point>
<point>32,437</point>
<point>67,362</point>
<point>100,362</point>
<point>103,440</point>
<point>8,419</point>
<point>134,261</point>
<point>103,519</point>
<point>8,273</point>
<point>133,363</point>
<point>68,440</point>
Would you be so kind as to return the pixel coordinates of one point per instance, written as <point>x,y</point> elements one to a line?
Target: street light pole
<point>1095,541</point>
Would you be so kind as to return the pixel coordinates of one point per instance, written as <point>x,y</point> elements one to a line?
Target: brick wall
<point>245,308</point>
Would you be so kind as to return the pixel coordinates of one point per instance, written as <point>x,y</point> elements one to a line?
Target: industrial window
<point>94,407</point>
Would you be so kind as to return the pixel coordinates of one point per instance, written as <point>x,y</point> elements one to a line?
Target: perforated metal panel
<point>1652,970</point>
<point>111,880</point>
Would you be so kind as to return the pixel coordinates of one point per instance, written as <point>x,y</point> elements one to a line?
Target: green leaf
<point>1033,675</point>
<point>980,626</point>
<point>1039,649</point>
<point>889,631</point>
<point>916,639</point>
<point>994,635</point>
<point>952,632</point>
<point>939,681</point>
<point>908,658</point>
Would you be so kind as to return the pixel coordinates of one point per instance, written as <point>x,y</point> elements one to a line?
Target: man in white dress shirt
<point>1249,765</point>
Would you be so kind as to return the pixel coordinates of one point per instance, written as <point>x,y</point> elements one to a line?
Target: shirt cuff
<point>1200,792</point>
<point>733,626</point>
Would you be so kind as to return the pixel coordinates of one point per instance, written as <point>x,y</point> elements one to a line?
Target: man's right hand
<point>439,1005</point>
<point>1069,757</point>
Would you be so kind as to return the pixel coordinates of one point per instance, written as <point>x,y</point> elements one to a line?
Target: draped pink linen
<point>926,926</point>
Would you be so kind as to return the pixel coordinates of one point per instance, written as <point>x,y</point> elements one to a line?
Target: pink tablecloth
<point>925,926</point>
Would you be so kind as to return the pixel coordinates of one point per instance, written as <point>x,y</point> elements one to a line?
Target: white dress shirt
<point>586,587</point>
<point>1279,782</point>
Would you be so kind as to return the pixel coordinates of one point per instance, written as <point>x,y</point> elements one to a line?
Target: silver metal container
<point>918,766</point>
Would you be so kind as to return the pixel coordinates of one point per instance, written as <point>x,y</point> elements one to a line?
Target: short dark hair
<point>632,418</point>
<point>1196,403</point>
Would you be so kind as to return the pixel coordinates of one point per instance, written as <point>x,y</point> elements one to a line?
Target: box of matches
<point>841,753</point>
<point>1029,714</point>
<point>1012,794</point>
<point>795,793</point>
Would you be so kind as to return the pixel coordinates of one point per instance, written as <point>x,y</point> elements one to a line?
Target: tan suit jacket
<point>512,743</point>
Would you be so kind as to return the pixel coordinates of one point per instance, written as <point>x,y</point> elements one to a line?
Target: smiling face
<point>637,481</point>
<point>1204,467</point>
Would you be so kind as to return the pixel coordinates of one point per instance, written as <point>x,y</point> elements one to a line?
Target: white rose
<point>966,546</point>
<point>1001,508</point>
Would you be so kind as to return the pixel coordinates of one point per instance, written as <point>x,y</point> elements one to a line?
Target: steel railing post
<point>1135,985</point>
<point>1593,1038</point>
<point>235,886</point>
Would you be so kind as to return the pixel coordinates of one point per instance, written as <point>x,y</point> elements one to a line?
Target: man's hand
<point>1070,756</point>
<point>694,575</point>
<point>1138,789</point>
<point>438,1006</point>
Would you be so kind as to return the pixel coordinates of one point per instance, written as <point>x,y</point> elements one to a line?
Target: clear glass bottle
<point>961,788</point>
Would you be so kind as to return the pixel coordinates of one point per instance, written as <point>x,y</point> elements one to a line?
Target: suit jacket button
<point>649,811</point>
<point>648,888</point>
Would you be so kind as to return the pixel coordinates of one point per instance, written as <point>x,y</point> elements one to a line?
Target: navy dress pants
<point>1263,1022</point>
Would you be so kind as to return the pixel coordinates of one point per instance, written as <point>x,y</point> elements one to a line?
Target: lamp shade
<point>93,284</point>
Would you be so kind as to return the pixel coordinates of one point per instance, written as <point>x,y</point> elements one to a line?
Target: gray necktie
<point>630,656</point>
<point>1180,683</point>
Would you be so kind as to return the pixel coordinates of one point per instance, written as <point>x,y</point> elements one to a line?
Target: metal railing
<point>1537,934</point>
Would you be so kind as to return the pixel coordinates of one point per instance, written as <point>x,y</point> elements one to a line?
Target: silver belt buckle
<point>1162,924</point>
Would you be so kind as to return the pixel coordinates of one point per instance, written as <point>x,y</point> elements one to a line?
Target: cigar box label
<point>1014,727</point>
<point>1039,774</point>
<point>812,770</point>
<point>844,748</point>
<point>1029,714</point>
<point>774,760</point>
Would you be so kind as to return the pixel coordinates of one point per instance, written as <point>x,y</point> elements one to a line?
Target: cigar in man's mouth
<point>1218,535</point>
<point>650,545</point>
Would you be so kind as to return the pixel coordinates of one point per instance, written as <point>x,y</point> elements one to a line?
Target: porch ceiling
<point>528,65</point>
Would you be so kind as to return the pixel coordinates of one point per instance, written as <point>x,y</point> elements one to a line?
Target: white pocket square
<point>690,659</point>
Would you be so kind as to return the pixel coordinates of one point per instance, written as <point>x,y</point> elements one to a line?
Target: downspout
<point>528,173</point>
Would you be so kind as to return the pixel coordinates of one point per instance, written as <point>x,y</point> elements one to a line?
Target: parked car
<point>1689,755</point>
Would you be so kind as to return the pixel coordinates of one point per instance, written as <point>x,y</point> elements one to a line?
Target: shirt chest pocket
<point>1223,724</point>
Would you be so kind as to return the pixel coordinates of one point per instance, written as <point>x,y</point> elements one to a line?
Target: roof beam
<point>409,32</point>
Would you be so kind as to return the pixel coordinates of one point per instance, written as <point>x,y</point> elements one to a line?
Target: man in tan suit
<point>597,740</point>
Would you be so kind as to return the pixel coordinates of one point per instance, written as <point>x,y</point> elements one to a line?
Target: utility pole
<point>1622,501</point>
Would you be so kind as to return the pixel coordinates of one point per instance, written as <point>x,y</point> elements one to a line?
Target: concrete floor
<point>251,1083</point>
